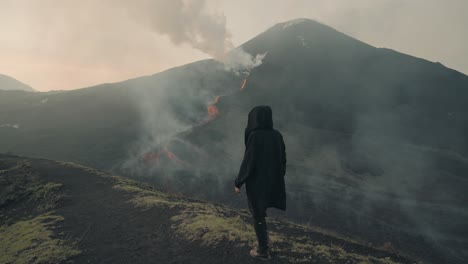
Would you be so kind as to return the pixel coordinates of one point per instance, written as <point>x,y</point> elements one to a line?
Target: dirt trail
<point>108,228</point>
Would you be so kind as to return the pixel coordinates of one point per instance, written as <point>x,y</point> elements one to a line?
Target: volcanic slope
<point>376,140</point>
<point>54,212</point>
<point>312,76</point>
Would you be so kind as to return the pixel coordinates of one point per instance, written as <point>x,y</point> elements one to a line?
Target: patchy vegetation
<point>46,194</point>
<point>20,185</point>
<point>32,241</point>
<point>27,221</point>
<point>117,220</point>
<point>212,224</point>
<point>81,167</point>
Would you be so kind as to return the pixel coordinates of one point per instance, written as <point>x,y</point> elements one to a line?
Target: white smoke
<point>241,62</point>
<point>190,22</point>
<point>184,22</point>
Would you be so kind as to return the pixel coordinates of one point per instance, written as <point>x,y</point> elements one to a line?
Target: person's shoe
<point>255,253</point>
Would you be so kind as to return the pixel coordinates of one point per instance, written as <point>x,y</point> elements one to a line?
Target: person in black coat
<point>262,170</point>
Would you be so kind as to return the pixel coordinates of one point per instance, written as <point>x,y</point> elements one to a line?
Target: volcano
<point>377,140</point>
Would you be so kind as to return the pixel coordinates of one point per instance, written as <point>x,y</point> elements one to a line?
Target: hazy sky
<point>68,44</point>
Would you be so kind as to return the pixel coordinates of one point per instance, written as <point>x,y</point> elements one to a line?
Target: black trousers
<point>262,233</point>
<point>260,227</point>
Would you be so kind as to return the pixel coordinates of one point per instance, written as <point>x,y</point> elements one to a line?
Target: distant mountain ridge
<point>9,83</point>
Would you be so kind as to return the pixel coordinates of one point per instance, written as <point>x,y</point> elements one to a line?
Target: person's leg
<point>262,233</point>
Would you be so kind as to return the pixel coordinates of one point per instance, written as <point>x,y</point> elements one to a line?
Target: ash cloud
<point>185,22</point>
<point>190,22</point>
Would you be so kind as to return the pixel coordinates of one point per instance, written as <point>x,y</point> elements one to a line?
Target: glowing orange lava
<point>174,158</point>
<point>243,84</point>
<point>151,159</point>
<point>213,110</point>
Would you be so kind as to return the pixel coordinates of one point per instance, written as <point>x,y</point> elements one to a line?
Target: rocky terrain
<point>61,212</point>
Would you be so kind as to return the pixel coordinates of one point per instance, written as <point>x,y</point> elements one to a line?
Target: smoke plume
<point>241,62</point>
<point>190,22</point>
<point>186,22</point>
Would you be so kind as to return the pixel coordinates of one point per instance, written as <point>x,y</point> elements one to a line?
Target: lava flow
<point>174,158</point>
<point>213,110</point>
<point>153,158</point>
<point>243,84</point>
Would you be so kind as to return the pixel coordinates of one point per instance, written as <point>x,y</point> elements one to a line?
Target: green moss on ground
<point>46,194</point>
<point>144,197</point>
<point>31,241</point>
<point>43,190</point>
<point>81,167</point>
<point>211,224</point>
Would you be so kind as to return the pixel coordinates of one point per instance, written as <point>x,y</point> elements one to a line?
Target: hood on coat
<point>260,117</point>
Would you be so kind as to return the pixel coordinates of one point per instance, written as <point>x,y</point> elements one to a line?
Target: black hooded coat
<point>264,164</point>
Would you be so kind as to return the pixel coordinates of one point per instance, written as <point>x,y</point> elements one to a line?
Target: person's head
<point>260,117</point>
